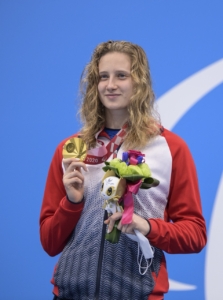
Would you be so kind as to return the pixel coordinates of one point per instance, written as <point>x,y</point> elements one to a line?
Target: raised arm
<point>59,215</point>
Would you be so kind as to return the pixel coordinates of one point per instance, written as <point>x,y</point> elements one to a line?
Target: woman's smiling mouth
<point>111,96</point>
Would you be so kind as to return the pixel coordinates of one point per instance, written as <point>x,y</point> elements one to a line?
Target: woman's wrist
<point>149,227</point>
<point>78,202</point>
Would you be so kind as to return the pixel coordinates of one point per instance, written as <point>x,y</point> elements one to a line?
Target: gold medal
<point>75,147</point>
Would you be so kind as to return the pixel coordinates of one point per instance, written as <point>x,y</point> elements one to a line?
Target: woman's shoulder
<point>176,144</point>
<point>172,138</point>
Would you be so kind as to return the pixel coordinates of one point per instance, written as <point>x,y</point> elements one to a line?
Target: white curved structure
<point>214,262</point>
<point>179,286</point>
<point>178,100</point>
<point>172,106</point>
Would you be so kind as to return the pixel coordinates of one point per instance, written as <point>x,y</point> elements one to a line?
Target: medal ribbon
<point>101,154</point>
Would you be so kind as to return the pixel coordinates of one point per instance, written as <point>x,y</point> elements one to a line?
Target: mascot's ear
<point>108,174</point>
<point>121,187</point>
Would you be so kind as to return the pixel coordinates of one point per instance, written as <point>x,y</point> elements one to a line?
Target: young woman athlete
<point>117,113</point>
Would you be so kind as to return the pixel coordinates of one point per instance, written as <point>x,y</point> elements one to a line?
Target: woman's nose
<point>111,83</point>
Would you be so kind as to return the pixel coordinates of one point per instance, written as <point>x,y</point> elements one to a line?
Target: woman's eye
<point>121,76</point>
<point>103,77</point>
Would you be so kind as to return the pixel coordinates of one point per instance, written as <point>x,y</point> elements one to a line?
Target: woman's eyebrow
<point>116,71</point>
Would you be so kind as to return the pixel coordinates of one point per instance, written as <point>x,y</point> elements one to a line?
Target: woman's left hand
<point>137,223</point>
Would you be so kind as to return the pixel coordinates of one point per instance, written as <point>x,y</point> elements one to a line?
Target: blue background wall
<point>44,46</point>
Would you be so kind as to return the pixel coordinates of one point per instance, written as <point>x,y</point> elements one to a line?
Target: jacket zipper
<point>101,257</point>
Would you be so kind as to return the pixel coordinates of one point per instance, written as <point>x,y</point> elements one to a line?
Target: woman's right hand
<point>73,179</point>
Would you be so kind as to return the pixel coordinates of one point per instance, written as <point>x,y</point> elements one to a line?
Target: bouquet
<point>122,179</point>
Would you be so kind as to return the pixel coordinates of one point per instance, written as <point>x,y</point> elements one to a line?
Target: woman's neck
<point>115,120</point>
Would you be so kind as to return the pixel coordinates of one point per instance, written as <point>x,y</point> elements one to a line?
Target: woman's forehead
<point>114,60</point>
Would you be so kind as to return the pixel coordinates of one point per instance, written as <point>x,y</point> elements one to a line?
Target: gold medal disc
<point>75,147</point>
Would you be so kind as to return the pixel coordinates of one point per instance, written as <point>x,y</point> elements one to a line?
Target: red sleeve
<point>183,230</point>
<point>58,216</point>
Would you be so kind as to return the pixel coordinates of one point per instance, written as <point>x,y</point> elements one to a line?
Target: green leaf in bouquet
<point>133,177</point>
<point>114,235</point>
<point>149,182</point>
<point>108,167</point>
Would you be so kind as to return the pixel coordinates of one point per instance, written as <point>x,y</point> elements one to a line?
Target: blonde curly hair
<point>143,121</point>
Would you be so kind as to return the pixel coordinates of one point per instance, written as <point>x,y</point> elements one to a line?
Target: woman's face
<point>115,85</point>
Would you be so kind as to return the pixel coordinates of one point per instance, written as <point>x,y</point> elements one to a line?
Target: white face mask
<point>146,249</point>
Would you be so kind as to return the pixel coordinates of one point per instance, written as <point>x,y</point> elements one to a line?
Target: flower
<point>133,157</point>
<point>133,168</point>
